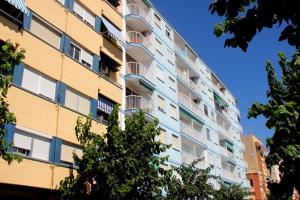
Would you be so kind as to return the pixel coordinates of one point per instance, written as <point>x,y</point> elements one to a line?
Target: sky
<point>243,73</point>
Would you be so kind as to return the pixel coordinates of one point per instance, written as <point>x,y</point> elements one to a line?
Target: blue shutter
<point>66,42</point>
<point>18,74</point>
<point>71,5</point>
<point>94,108</point>
<point>96,60</point>
<point>97,24</point>
<point>27,21</point>
<point>66,3</point>
<point>57,152</point>
<point>9,134</point>
<point>60,93</point>
<point>52,149</point>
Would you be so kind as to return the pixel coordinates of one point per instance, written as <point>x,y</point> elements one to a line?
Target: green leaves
<point>121,164</point>
<point>282,113</point>
<point>244,18</point>
<point>9,58</point>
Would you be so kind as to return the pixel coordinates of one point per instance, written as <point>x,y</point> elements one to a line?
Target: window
<point>163,136</point>
<point>173,85</point>
<point>157,20</point>
<point>45,32</point>
<point>67,153</point>
<point>62,1</point>
<point>81,55</point>
<point>212,114</point>
<point>108,67</point>
<point>38,84</point>
<point>251,182</point>
<point>208,134</point>
<point>77,102</point>
<point>168,32</point>
<point>83,14</point>
<point>31,145</point>
<point>205,110</point>
<point>104,108</point>
<point>160,74</point>
<point>161,103</point>
<point>158,46</point>
<point>11,13</point>
<point>173,112</point>
<point>175,142</point>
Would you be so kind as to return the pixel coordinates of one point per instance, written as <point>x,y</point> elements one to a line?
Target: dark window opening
<point>11,13</point>
<point>115,3</point>
<point>108,67</point>
<point>205,110</point>
<point>104,108</point>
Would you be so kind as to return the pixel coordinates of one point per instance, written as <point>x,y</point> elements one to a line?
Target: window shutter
<point>96,60</point>
<point>93,110</point>
<point>41,148</point>
<point>47,88</point>
<point>84,105</point>
<point>27,21</point>
<point>9,133</point>
<point>52,149</point>
<point>67,153</point>
<point>57,150</point>
<point>30,80</point>
<point>175,142</point>
<point>70,4</point>
<point>18,74</point>
<point>97,24</point>
<point>71,100</point>
<point>87,57</point>
<point>60,93</point>
<point>89,18</point>
<point>78,9</point>
<point>66,44</point>
<point>163,136</point>
<point>22,140</point>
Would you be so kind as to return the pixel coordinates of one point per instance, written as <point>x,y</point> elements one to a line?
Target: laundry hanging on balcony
<point>112,32</point>
<point>19,4</point>
<point>220,101</point>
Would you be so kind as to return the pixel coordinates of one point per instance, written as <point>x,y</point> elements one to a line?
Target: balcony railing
<point>227,153</point>
<point>189,130</point>
<point>190,104</point>
<point>138,38</point>
<point>135,9</point>
<point>139,103</point>
<point>229,175</point>
<point>189,157</point>
<point>185,77</point>
<point>183,53</point>
<point>138,69</point>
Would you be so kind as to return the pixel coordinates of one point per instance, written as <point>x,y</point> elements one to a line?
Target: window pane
<point>87,58</point>
<point>45,32</point>
<point>22,140</point>
<point>67,153</point>
<point>71,100</point>
<point>30,80</point>
<point>41,148</point>
<point>83,105</point>
<point>89,18</point>
<point>47,88</point>
<point>78,9</point>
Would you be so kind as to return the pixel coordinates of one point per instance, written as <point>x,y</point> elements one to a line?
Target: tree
<point>282,112</point>
<point>231,192</point>
<point>121,164</point>
<point>190,183</point>
<point>9,58</point>
<point>244,18</point>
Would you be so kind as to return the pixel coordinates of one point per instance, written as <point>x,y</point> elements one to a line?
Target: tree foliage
<point>10,56</point>
<point>244,18</point>
<point>231,192</point>
<point>121,164</point>
<point>282,113</point>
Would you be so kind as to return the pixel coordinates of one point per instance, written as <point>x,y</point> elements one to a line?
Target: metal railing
<point>139,103</point>
<point>190,104</point>
<point>138,38</point>
<point>229,175</point>
<point>135,9</point>
<point>138,69</point>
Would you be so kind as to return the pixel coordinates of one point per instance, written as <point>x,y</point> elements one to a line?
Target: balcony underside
<point>138,23</point>
<point>139,82</point>
<point>191,113</point>
<point>139,52</point>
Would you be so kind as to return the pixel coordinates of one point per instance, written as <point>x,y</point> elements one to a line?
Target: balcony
<point>192,151</point>
<point>193,129</point>
<point>138,18</point>
<point>181,52</point>
<point>184,76</point>
<point>227,153</point>
<point>229,175</point>
<point>136,102</point>
<point>137,74</point>
<point>187,102</point>
<point>138,46</point>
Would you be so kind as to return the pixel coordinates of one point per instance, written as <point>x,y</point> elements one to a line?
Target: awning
<point>19,4</point>
<point>220,101</point>
<point>112,29</point>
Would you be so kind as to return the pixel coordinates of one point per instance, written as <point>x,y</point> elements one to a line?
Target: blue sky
<point>243,73</point>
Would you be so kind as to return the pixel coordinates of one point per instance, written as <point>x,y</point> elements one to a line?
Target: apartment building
<point>257,172</point>
<point>86,56</point>
<point>164,77</point>
<point>74,54</point>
